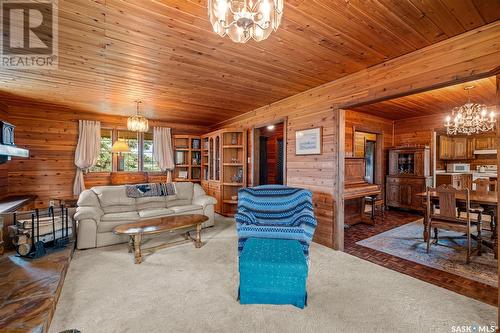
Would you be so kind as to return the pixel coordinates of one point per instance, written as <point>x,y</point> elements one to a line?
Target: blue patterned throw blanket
<point>275,211</point>
<point>150,190</point>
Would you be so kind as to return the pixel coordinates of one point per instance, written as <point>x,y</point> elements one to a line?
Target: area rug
<point>184,289</point>
<point>448,255</point>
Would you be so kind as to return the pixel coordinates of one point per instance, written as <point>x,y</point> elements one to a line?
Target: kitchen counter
<point>474,173</point>
<point>443,172</point>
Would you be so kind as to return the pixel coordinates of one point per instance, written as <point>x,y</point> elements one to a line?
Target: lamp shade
<point>120,146</point>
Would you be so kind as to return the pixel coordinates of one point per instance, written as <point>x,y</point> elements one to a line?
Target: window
<point>148,162</point>
<point>131,158</point>
<point>104,162</point>
<point>139,158</point>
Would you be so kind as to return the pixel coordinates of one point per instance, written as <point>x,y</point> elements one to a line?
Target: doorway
<point>416,135</point>
<point>269,155</point>
<point>370,161</point>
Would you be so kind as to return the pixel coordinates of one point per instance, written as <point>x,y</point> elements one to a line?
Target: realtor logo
<point>29,33</point>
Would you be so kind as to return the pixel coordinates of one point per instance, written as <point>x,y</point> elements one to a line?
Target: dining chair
<point>484,187</point>
<point>447,218</point>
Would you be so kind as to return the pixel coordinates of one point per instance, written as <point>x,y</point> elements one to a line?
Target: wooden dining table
<point>486,200</point>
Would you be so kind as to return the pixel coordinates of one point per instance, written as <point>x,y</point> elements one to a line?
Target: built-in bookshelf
<point>224,167</point>
<point>187,158</point>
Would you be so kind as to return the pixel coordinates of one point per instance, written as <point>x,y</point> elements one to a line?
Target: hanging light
<point>470,118</point>
<point>137,122</point>
<point>242,20</point>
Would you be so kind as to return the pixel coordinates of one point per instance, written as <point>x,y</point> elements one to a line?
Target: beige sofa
<point>102,208</point>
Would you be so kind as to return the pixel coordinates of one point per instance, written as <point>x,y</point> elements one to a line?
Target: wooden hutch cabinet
<point>409,174</point>
<point>223,163</point>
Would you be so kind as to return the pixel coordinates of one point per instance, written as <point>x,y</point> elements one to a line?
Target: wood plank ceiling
<point>164,53</point>
<point>438,101</point>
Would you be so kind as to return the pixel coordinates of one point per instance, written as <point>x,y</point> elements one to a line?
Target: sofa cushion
<point>178,202</point>
<point>186,209</point>
<point>198,190</point>
<point>88,198</point>
<point>126,217</point>
<point>155,212</point>
<point>151,202</point>
<point>111,220</point>
<point>184,191</point>
<point>113,199</point>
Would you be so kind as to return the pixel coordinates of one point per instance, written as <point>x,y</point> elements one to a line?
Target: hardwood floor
<point>29,290</point>
<point>393,218</point>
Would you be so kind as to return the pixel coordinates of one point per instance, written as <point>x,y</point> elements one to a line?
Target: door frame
<point>338,180</point>
<point>379,152</point>
<point>254,139</point>
<point>498,187</point>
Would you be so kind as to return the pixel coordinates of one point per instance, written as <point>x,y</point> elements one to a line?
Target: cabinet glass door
<point>406,163</point>
<point>217,157</point>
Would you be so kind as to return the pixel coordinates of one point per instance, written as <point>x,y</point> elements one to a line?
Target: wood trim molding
<point>253,138</point>
<point>436,66</point>
<point>338,185</point>
<point>498,187</point>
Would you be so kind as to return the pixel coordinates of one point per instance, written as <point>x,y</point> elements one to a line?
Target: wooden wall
<point>357,121</point>
<point>439,65</point>
<point>4,176</point>
<point>50,132</point>
<point>313,172</point>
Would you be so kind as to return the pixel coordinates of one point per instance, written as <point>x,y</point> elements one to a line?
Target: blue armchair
<point>275,211</point>
<point>275,226</point>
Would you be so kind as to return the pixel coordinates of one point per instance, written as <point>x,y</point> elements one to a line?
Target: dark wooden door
<point>263,160</point>
<point>279,161</point>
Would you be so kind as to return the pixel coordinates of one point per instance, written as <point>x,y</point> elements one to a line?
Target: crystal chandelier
<point>470,118</point>
<point>137,122</point>
<point>245,19</point>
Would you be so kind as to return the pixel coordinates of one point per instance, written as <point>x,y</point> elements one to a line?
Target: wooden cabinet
<point>456,148</point>
<point>409,174</point>
<point>409,161</point>
<point>460,148</point>
<point>458,181</point>
<point>223,165</point>
<point>402,192</point>
<point>445,147</point>
<point>485,142</point>
<point>470,149</point>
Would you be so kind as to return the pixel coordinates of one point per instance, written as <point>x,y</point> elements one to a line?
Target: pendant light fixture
<point>137,122</point>
<point>243,20</point>
<point>470,118</point>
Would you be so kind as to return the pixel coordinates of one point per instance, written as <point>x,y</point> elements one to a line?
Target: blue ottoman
<point>273,271</point>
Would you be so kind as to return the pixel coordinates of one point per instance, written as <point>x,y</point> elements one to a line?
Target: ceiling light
<point>469,118</point>
<point>270,127</point>
<point>137,122</point>
<point>242,20</point>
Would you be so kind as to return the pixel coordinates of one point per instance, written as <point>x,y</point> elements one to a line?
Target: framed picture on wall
<point>308,141</point>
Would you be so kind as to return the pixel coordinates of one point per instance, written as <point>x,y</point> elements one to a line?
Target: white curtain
<point>87,151</point>
<point>162,150</point>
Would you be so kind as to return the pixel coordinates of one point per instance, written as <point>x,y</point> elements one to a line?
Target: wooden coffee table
<point>159,225</point>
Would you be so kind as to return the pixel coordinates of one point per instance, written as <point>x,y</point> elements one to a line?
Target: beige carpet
<point>184,289</point>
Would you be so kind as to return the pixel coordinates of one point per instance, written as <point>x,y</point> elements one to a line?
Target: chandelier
<point>137,122</point>
<point>469,118</point>
<point>245,19</point>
